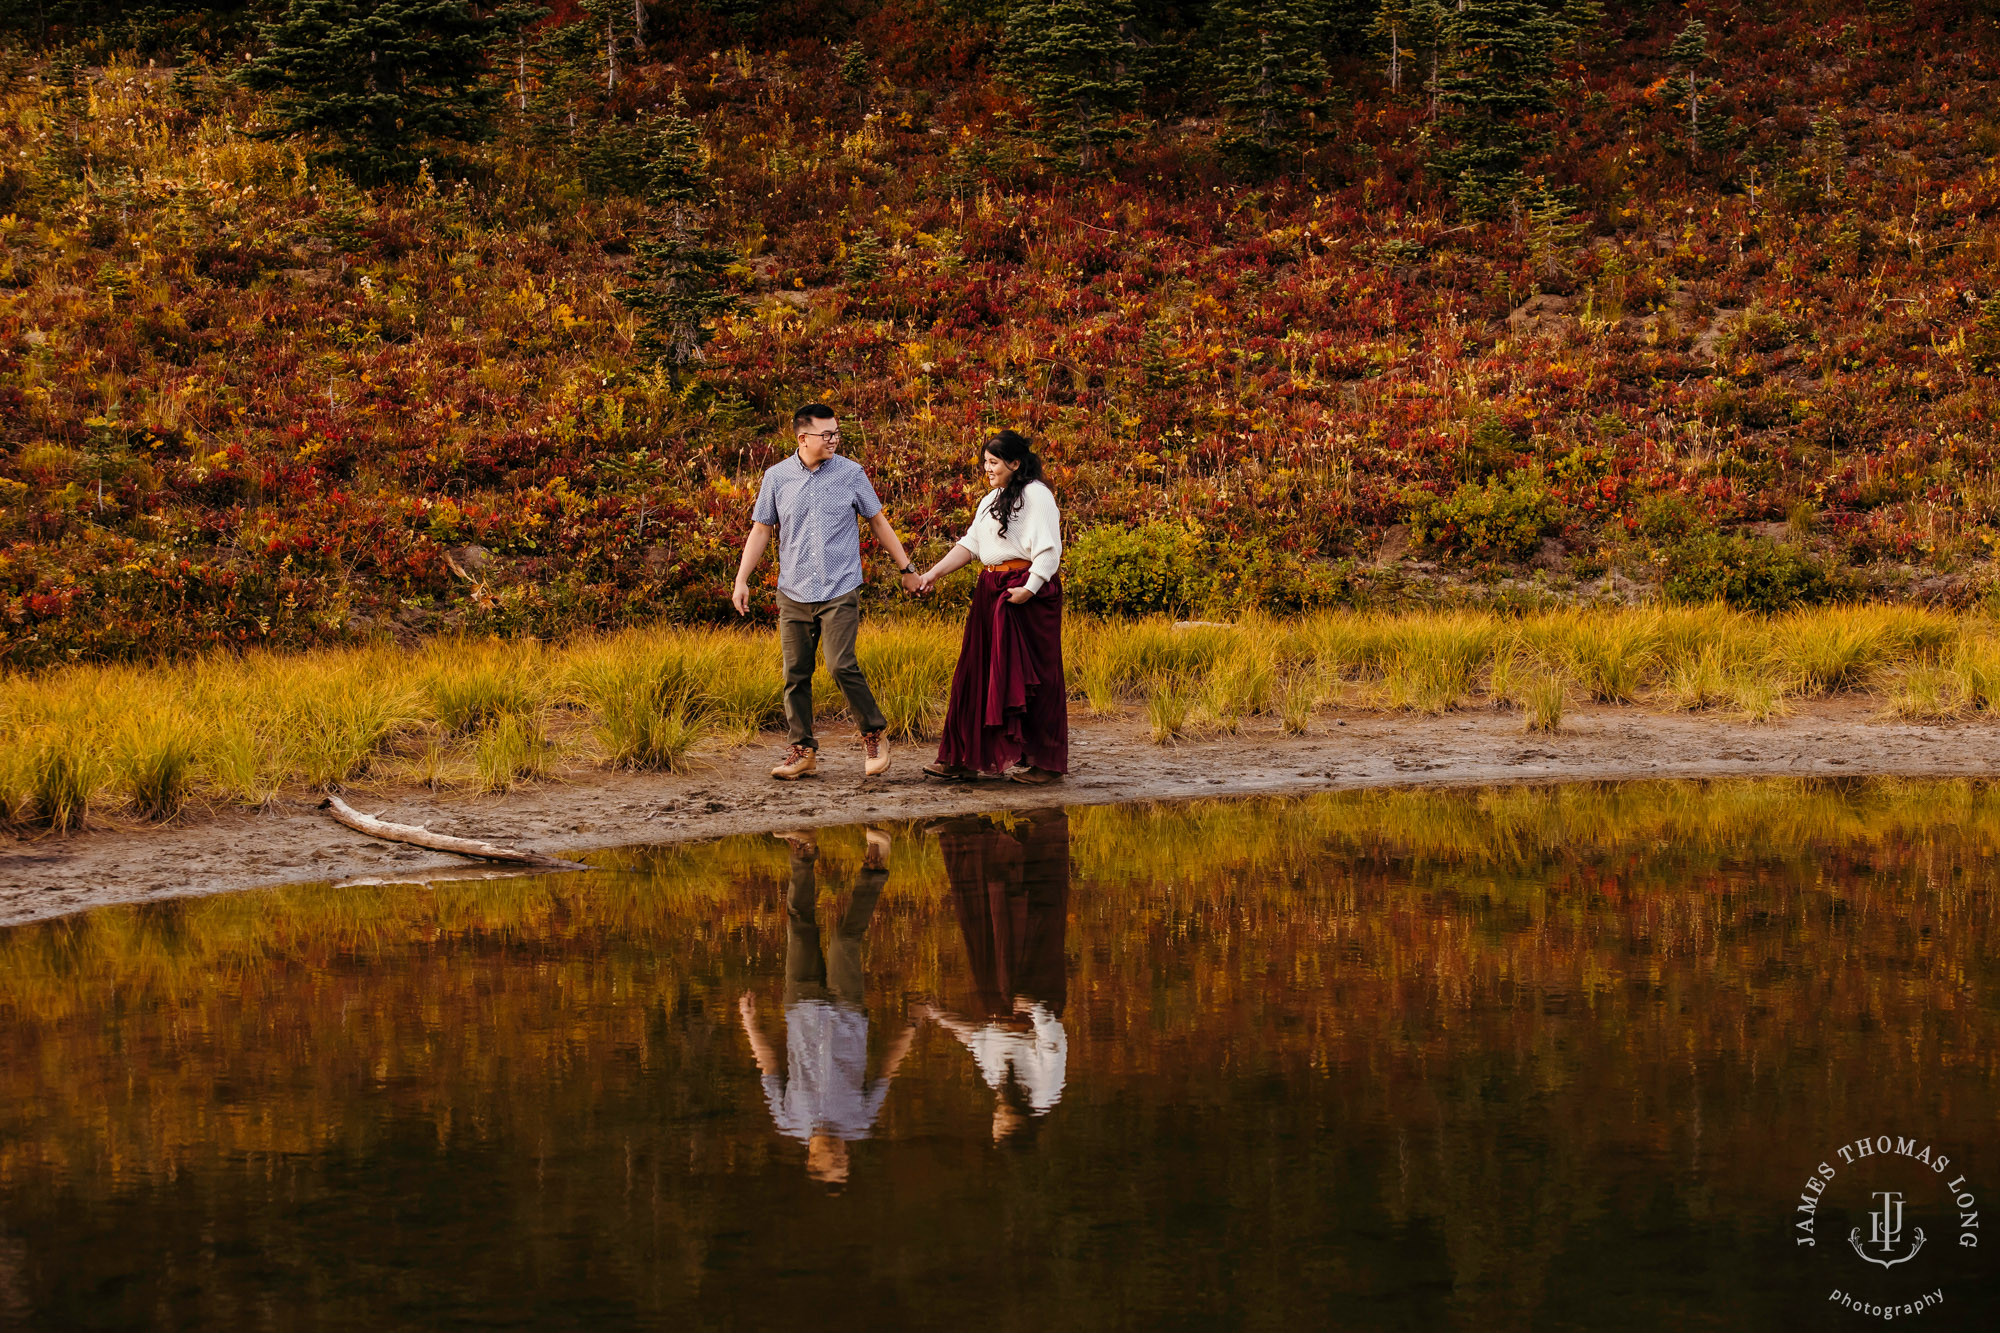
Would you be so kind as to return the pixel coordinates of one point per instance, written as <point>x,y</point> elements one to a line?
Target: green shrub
<point>1166,569</point>
<point>1498,518</point>
<point>1141,571</point>
<point>1667,519</point>
<point>1749,573</point>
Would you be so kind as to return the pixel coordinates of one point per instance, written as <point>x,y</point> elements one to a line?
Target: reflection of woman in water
<point>1011,892</point>
<point>822,1094</point>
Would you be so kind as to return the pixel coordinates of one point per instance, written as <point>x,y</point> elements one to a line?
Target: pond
<point>1519,1058</point>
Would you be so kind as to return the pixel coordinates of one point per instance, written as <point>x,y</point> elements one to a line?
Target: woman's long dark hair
<point>1010,446</point>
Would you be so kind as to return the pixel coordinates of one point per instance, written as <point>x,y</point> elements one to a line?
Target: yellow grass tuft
<point>1170,704</point>
<point>1543,700</point>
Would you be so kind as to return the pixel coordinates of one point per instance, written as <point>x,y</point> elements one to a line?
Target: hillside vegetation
<point>247,401</point>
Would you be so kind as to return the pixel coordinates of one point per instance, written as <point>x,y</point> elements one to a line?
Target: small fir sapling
<point>864,255</point>
<point>1982,341</point>
<point>1687,54</point>
<point>854,72</point>
<point>1552,236</point>
<point>1829,154</point>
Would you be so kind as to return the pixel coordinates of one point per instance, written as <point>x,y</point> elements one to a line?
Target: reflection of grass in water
<point>1501,831</point>
<point>1513,826</point>
<point>1402,924</point>
<point>242,729</point>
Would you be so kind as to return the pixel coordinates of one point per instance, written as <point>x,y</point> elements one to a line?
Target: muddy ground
<point>1112,759</point>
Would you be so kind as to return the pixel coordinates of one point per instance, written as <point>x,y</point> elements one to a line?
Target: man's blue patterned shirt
<point>819,543</point>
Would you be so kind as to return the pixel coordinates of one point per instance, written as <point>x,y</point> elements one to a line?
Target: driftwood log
<point>418,836</point>
<point>454,874</point>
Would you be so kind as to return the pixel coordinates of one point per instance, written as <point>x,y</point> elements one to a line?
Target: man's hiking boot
<point>801,842</point>
<point>877,855</point>
<point>876,746</point>
<point>798,762</point>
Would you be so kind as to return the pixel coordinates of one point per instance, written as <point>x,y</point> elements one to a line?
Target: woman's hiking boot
<point>949,772</point>
<point>1034,777</point>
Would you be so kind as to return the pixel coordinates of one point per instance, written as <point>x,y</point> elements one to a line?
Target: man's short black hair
<point>810,413</point>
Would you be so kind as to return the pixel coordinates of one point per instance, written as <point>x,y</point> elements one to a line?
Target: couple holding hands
<point>1008,710</point>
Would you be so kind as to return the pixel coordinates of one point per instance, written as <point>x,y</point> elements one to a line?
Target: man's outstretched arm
<point>760,1048</point>
<point>885,534</point>
<point>753,551</point>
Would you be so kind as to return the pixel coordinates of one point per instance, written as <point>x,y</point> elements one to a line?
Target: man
<point>812,499</point>
<point>820,1093</point>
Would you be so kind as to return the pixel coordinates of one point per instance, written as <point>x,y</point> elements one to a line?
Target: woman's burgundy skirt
<point>1008,704</point>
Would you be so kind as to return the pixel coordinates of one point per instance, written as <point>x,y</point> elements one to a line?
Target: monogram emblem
<point>1885,1230</point>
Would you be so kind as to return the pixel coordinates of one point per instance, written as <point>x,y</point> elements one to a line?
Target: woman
<point>1008,703</point>
<point>1011,889</point>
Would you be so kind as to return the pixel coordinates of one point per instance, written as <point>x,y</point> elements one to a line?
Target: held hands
<point>913,582</point>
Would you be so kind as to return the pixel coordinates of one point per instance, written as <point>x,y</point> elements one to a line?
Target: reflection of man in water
<point>1012,896</point>
<point>823,1095</point>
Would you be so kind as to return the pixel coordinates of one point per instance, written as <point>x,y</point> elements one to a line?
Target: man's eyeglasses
<point>830,436</point>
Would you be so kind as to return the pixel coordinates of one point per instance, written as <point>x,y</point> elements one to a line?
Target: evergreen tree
<point>1828,154</point>
<point>516,18</point>
<point>1272,72</point>
<point>619,25</point>
<point>1552,236</point>
<point>854,73</point>
<point>1391,28</point>
<point>1982,341</point>
<point>1407,33</point>
<point>1428,27</point>
<point>385,80</point>
<point>742,15</point>
<point>1499,69</point>
<point>558,75</point>
<point>1689,52</point>
<point>679,284</point>
<point>1073,59</point>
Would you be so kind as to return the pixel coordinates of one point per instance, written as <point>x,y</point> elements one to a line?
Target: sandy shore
<point>1113,759</point>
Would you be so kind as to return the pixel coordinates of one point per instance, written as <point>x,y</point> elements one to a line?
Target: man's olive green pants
<point>804,630</point>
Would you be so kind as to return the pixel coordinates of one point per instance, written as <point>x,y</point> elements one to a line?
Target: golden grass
<point>1170,705</point>
<point>487,713</point>
<point>1543,699</point>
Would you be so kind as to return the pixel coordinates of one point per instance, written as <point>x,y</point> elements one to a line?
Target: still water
<point>1525,1058</point>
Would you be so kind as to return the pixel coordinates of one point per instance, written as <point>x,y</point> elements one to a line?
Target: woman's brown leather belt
<point>1009,566</point>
